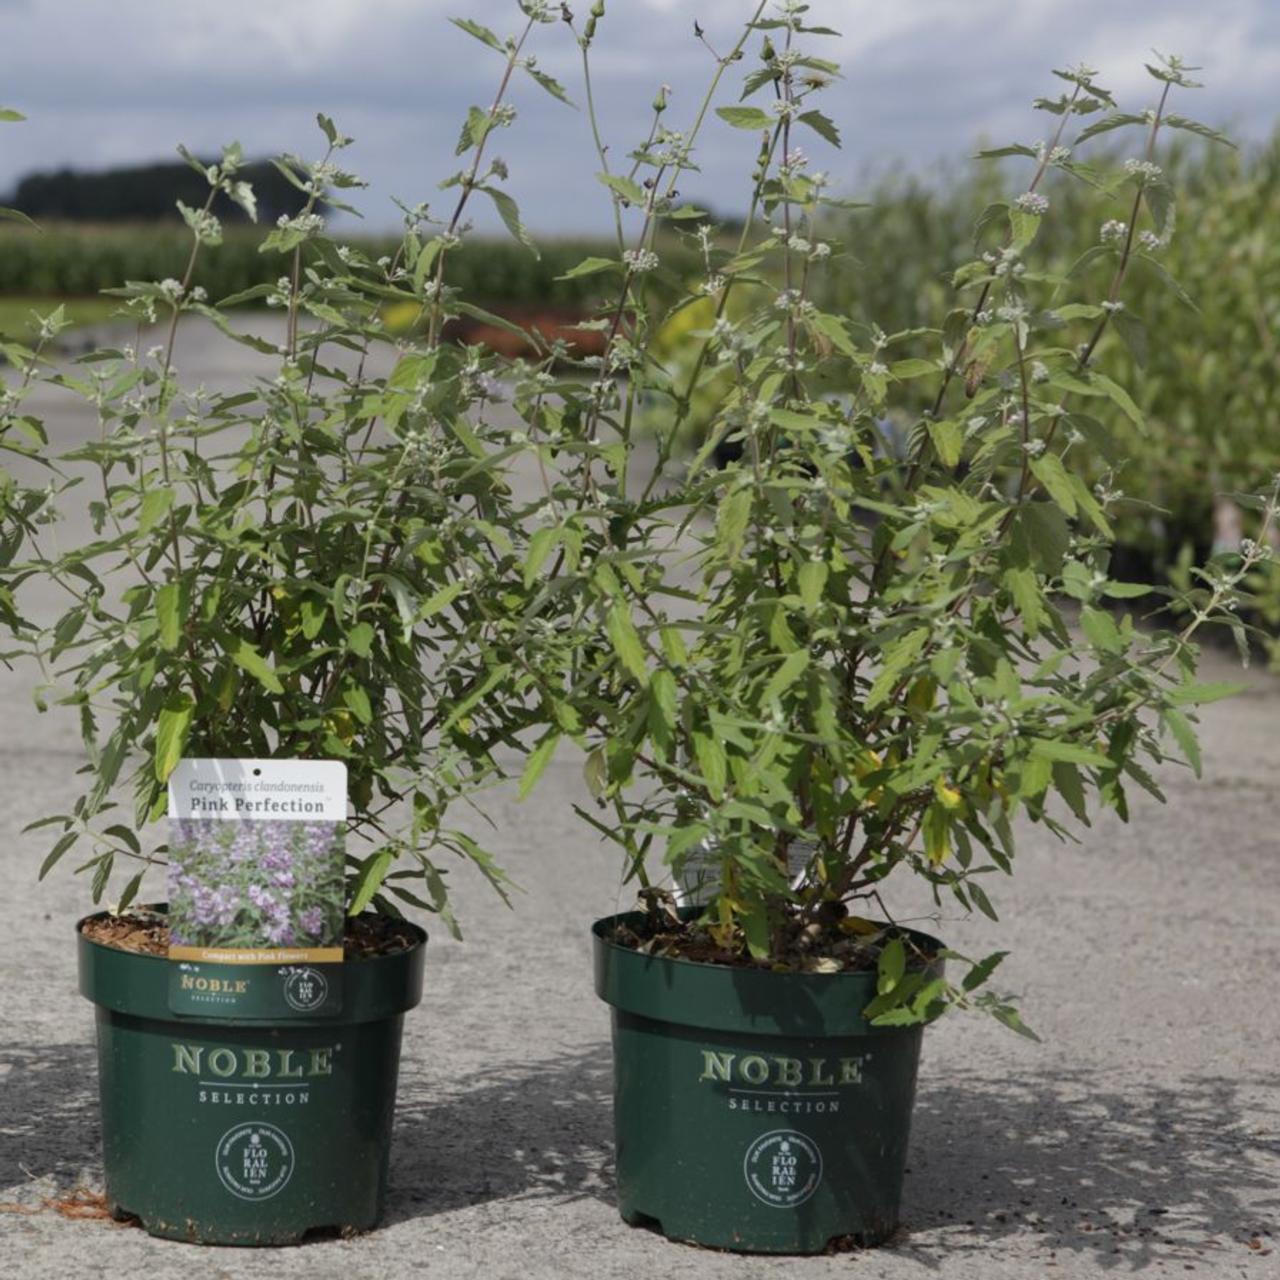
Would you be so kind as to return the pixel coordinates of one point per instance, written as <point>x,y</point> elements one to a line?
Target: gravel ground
<point>1141,1135</point>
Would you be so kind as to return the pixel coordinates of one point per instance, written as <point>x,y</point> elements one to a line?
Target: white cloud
<point>127,81</point>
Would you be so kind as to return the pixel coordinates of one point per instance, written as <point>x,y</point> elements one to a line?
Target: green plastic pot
<point>755,1111</point>
<point>245,1132</point>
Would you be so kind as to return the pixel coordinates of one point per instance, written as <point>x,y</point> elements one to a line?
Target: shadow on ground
<point>1126,1176</point>
<point>541,1130</point>
<point>48,1115</point>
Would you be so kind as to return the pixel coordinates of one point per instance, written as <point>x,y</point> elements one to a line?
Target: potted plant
<point>850,656</point>
<point>315,565</point>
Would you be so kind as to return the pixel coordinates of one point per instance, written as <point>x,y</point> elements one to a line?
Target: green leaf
<point>898,656</point>
<point>792,667</point>
<point>811,580</point>
<point>1047,536</point>
<point>550,84</point>
<point>623,187</point>
<point>824,127</point>
<point>172,727</point>
<point>754,919</point>
<point>1024,586</point>
<point>1100,628</point>
<point>1113,120</point>
<point>169,615</point>
<point>1202,130</point>
<point>980,899</point>
<point>1048,469</point>
<point>155,506</point>
<point>63,843</point>
<point>1023,225</point>
<point>1091,507</point>
<point>481,33</point>
<point>591,267</point>
<point>1054,750</point>
<point>9,115</point>
<point>626,641</point>
<point>947,439</point>
<point>509,212</point>
<point>731,523</point>
<point>1013,149</point>
<point>1185,735</point>
<point>1013,1020</point>
<point>125,835</point>
<point>368,880</point>
<point>15,215</point>
<point>595,772</point>
<point>711,762</point>
<point>891,966</point>
<point>746,117</point>
<point>130,891</point>
<point>313,613</point>
<point>664,711</point>
<point>477,126</point>
<point>360,639</point>
<point>1198,694</point>
<point>247,658</point>
<point>357,700</point>
<point>538,760</point>
<point>541,546</point>
<point>1134,334</point>
<point>441,600</point>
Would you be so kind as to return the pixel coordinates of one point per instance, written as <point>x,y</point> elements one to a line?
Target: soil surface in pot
<point>147,933</point>
<point>835,942</point>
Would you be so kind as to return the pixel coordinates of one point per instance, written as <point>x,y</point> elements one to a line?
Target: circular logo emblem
<point>783,1168</point>
<point>254,1161</point>
<point>305,989</point>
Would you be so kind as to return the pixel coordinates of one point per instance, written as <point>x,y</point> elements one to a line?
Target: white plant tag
<point>257,852</point>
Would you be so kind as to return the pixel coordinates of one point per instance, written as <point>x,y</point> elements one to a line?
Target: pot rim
<point>598,930</point>
<point>161,908</point>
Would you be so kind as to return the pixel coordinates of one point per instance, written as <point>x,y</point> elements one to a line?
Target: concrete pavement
<point>1142,1135</point>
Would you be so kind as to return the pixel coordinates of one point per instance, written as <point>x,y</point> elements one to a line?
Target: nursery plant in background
<point>21,438</point>
<point>318,565</point>
<point>841,661</point>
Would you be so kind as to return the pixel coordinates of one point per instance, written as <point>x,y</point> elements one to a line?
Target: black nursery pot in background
<point>755,1111</point>
<point>238,1131</point>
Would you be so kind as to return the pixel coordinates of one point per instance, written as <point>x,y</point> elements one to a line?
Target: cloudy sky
<point>105,83</point>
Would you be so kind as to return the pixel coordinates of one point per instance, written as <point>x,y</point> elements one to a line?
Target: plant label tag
<point>257,852</point>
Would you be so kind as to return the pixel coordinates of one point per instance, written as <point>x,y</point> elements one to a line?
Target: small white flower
<point>1032,202</point>
<point>1112,307</point>
<point>1150,241</point>
<point>1143,170</point>
<point>1112,230</point>
<point>877,369</point>
<point>639,261</point>
<point>1039,371</point>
